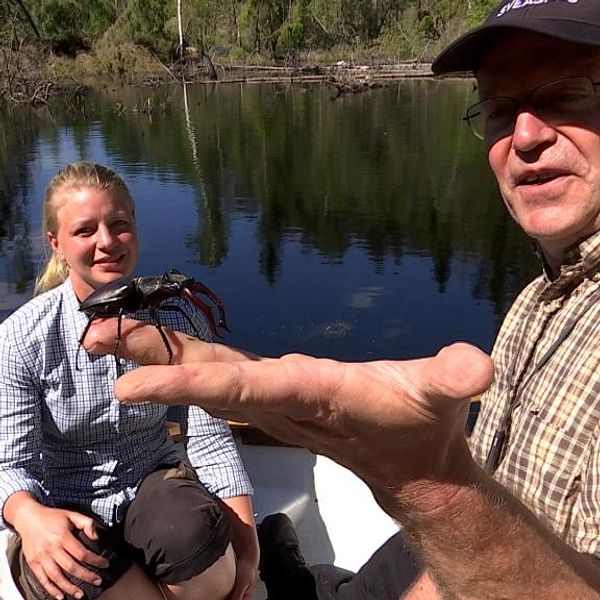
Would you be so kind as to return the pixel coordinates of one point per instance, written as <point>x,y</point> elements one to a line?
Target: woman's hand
<point>53,552</point>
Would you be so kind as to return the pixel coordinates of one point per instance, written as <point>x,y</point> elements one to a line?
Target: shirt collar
<point>580,262</point>
<point>71,300</point>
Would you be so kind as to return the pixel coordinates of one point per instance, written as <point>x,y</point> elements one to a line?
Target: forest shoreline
<point>53,47</point>
<point>36,82</point>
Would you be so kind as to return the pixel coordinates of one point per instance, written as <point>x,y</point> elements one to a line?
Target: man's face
<point>548,171</point>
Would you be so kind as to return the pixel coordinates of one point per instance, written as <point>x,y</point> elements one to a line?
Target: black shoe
<point>282,567</point>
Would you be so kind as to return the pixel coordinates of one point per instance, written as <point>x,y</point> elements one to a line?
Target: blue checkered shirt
<point>65,438</point>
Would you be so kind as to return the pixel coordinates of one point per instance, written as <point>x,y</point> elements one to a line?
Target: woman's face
<point>96,236</point>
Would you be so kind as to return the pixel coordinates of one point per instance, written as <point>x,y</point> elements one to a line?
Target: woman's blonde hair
<point>74,176</point>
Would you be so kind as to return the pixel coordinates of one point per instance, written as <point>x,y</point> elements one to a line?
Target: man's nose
<point>531,131</point>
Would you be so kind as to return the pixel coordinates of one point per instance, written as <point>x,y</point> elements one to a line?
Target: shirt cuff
<point>17,481</point>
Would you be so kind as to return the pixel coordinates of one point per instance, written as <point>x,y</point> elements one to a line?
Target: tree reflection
<point>210,244</point>
<point>391,171</point>
<point>16,149</point>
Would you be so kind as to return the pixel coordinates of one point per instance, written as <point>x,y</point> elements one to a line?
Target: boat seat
<point>271,500</point>
<point>8,589</point>
<point>267,500</point>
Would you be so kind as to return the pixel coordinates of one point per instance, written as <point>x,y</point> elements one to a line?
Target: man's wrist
<point>443,496</point>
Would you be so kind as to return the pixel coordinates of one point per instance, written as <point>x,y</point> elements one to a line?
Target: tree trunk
<point>180,23</point>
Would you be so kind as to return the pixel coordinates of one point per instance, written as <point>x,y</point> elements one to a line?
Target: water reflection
<point>16,146</point>
<point>365,226</point>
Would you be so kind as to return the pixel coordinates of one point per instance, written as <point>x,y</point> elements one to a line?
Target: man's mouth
<point>539,178</point>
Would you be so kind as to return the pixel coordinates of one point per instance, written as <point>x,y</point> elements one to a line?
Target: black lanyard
<point>501,434</point>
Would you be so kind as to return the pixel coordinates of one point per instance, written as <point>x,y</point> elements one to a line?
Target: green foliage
<point>480,9</point>
<point>270,16</point>
<point>144,22</point>
<point>295,29</point>
<point>241,28</point>
<point>100,14</point>
<point>5,25</point>
<point>406,40</point>
<point>60,20</point>
<point>15,23</point>
<point>70,22</point>
<point>364,19</point>
<point>200,23</point>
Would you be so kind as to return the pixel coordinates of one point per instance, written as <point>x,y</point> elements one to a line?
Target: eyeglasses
<point>555,102</point>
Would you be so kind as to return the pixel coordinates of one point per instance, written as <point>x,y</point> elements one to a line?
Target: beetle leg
<point>179,309</point>
<point>205,308</point>
<point>198,286</point>
<point>81,339</point>
<point>156,320</point>
<point>118,338</point>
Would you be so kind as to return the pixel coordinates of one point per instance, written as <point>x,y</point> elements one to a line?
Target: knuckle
<point>89,558</point>
<point>39,574</point>
<point>84,574</point>
<point>78,552</point>
<point>66,586</point>
<point>53,572</point>
<point>69,565</point>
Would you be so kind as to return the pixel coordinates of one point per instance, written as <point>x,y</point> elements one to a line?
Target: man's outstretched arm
<point>399,425</point>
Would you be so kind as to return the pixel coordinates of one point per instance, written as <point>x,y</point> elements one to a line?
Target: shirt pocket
<point>77,404</point>
<point>547,475</point>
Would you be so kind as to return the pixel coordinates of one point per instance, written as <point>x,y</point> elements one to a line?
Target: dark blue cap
<point>569,20</point>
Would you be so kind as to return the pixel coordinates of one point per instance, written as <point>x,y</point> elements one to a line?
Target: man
<point>516,515</point>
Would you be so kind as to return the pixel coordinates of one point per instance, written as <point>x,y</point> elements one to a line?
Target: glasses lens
<point>565,97</point>
<point>492,117</point>
<point>556,102</point>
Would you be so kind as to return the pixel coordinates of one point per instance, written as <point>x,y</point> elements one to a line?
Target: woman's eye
<point>122,225</point>
<point>83,231</point>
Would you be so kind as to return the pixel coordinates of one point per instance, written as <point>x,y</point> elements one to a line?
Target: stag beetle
<point>130,294</point>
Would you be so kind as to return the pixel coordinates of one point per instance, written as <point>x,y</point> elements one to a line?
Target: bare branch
<point>27,15</point>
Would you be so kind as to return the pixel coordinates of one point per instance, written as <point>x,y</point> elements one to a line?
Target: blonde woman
<point>98,498</point>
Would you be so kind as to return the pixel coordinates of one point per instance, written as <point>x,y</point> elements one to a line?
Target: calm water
<point>358,228</point>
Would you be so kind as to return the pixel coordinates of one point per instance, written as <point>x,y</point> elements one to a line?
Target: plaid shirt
<point>64,436</point>
<point>547,357</point>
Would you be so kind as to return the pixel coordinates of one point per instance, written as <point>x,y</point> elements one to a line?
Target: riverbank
<point>33,75</point>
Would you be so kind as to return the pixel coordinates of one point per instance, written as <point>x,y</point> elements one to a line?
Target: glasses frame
<point>519,104</point>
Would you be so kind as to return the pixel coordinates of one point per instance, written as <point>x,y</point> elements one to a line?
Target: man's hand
<point>397,424</point>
